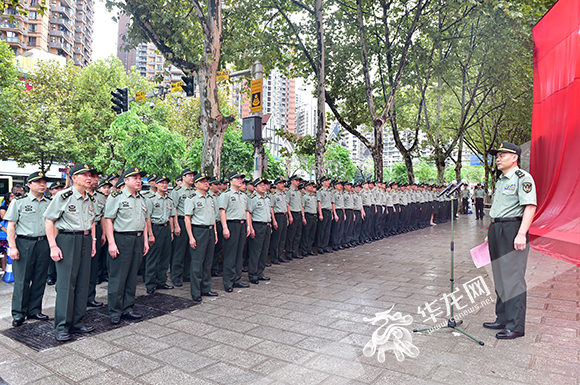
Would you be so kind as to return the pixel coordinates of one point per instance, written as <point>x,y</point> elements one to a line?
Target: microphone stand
<point>451,322</point>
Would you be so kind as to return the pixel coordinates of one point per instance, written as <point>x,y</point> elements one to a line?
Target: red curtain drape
<point>555,151</point>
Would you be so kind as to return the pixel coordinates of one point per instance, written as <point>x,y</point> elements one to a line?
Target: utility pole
<point>260,160</point>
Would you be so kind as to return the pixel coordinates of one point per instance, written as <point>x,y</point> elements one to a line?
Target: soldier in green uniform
<point>259,242</point>
<point>464,199</point>
<point>310,209</point>
<point>103,276</point>
<point>152,182</point>
<point>479,195</point>
<point>358,214</point>
<point>95,261</point>
<point>181,257</point>
<point>214,192</point>
<point>51,276</point>
<point>72,213</point>
<point>162,215</point>
<point>512,213</point>
<point>296,219</point>
<point>236,224</point>
<point>280,222</point>
<point>28,249</point>
<point>326,214</point>
<point>200,226</point>
<point>126,219</point>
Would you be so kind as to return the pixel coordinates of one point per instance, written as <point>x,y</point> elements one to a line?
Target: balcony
<point>66,11</point>
<point>60,21</point>
<point>67,2</point>
<point>64,46</point>
<point>14,41</point>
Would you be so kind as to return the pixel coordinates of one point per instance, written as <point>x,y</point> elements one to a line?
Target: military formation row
<point>94,231</point>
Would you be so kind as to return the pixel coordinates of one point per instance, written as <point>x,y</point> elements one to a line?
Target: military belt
<point>511,219</point>
<point>38,239</point>
<point>85,232</point>
<point>135,233</point>
<point>160,224</point>
<point>260,223</point>
<point>203,226</point>
<point>242,221</point>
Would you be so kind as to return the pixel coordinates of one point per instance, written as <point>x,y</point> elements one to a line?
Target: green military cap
<point>161,178</point>
<point>324,178</point>
<point>236,174</point>
<point>214,181</point>
<point>56,184</point>
<point>308,183</point>
<point>294,177</point>
<point>134,171</point>
<point>187,170</point>
<point>179,178</point>
<point>104,182</point>
<point>346,182</point>
<point>112,176</point>
<point>120,183</point>
<point>152,177</point>
<point>279,180</point>
<point>79,169</point>
<point>247,180</point>
<point>199,177</point>
<point>35,176</point>
<point>257,181</point>
<point>507,147</point>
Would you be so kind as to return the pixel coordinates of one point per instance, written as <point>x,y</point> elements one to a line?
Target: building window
<point>32,27</point>
<point>159,67</point>
<point>32,40</point>
<point>32,15</point>
<point>159,59</point>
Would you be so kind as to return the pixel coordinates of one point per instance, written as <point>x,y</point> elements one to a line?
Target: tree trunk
<point>409,165</point>
<point>459,164</point>
<point>321,112</point>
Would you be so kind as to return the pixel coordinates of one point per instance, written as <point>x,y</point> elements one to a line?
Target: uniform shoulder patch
<point>66,194</point>
<point>115,194</point>
<point>151,196</point>
<point>527,186</point>
<point>228,190</point>
<point>92,198</point>
<point>20,197</point>
<point>177,188</point>
<point>253,195</point>
<point>520,173</point>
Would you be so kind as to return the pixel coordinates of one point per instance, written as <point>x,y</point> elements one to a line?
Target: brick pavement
<point>307,326</point>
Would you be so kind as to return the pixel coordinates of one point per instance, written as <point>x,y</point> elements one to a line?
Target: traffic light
<point>120,100</point>
<point>188,85</point>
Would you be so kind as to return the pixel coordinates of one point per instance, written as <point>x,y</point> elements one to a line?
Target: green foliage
<point>138,138</point>
<point>338,163</point>
<point>302,145</point>
<point>274,167</point>
<point>425,172</point>
<point>19,7</point>
<point>8,72</point>
<point>399,173</point>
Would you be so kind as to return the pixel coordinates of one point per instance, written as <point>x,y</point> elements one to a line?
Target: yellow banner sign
<point>222,76</point>
<point>256,98</point>
<point>176,86</point>
<point>140,95</point>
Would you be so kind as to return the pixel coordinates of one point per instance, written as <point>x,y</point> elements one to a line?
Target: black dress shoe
<point>254,281</point>
<point>311,253</point>
<point>321,251</point>
<point>50,281</point>
<point>97,283</point>
<point>217,275</point>
<point>244,269</point>
<point>493,325</point>
<point>275,263</point>
<point>62,337</point>
<point>210,294</point>
<point>241,285</point>
<point>164,287</point>
<point>84,329</point>
<point>17,322</point>
<point>132,315</point>
<point>229,289</point>
<point>268,265</point>
<point>177,283</point>
<point>299,257</point>
<point>327,250</point>
<point>39,316</point>
<point>197,298</point>
<point>105,279</point>
<point>507,334</point>
<point>151,290</point>
<point>284,261</point>
<point>262,278</point>
<point>115,320</point>
<point>94,303</point>
<point>335,248</point>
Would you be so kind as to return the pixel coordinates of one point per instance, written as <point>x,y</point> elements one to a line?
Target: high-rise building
<point>66,30</point>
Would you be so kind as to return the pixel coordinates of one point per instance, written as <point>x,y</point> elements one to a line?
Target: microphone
<point>462,183</point>
<point>447,188</point>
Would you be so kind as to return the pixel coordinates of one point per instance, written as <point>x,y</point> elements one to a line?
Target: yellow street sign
<point>223,76</point>
<point>140,95</point>
<point>256,98</point>
<point>176,86</point>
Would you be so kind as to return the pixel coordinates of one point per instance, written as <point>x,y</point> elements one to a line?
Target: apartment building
<point>66,30</point>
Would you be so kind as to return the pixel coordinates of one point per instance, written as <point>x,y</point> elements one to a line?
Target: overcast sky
<point>104,32</point>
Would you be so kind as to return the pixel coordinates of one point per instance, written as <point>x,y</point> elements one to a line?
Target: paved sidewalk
<point>307,326</point>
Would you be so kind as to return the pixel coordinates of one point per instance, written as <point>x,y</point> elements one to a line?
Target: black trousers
<point>29,277</point>
<point>233,252</point>
<point>308,232</point>
<point>181,258</point>
<point>337,229</point>
<point>258,248</point>
<point>357,226</point>
<point>348,227</point>
<point>278,237</point>
<point>95,264</point>
<point>323,230</point>
<point>293,235</point>
<point>367,222</point>
<point>479,207</point>
<point>123,273</point>
<point>509,271</point>
<point>464,205</point>
<point>217,251</point>
<point>158,258</point>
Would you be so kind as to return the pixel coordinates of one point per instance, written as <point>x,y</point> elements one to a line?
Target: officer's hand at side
<point>252,233</point>
<point>55,253</point>
<point>14,253</point>
<point>290,219</point>
<point>94,249</point>
<point>113,251</point>
<point>520,242</point>
<point>336,218</point>
<point>226,233</point>
<point>151,239</point>
<point>216,238</point>
<point>192,242</point>
<point>103,240</point>
<point>146,248</point>
<point>321,218</point>
<point>177,231</point>
<point>275,225</point>
<point>303,221</point>
<point>249,232</point>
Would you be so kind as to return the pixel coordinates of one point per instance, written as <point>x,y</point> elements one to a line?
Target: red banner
<point>555,151</point>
